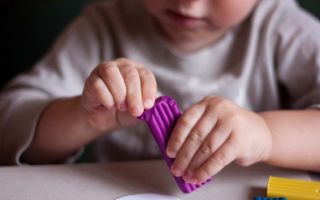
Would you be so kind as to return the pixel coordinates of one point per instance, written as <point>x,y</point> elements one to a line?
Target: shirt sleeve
<point>61,73</point>
<point>298,58</point>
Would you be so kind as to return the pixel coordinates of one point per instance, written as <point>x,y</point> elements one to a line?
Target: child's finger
<point>193,141</point>
<point>132,81</point>
<point>148,87</point>
<point>214,140</point>
<point>221,158</point>
<point>182,129</point>
<point>110,74</point>
<point>97,93</point>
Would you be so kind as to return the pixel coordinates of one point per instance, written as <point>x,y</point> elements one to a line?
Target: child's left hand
<point>213,133</point>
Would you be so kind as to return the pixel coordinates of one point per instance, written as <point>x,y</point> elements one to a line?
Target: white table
<point>111,180</point>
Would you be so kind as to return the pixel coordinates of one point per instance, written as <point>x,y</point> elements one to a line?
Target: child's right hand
<point>115,93</point>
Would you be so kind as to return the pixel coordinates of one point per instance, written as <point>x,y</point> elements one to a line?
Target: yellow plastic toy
<point>293,189</point>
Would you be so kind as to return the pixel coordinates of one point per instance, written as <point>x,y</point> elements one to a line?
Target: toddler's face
<point>201,16</point>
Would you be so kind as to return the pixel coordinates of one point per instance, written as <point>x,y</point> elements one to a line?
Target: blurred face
<point>197,21</point>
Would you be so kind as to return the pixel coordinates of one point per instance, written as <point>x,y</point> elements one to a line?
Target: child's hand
<point>116,92</point>
<point>213,133</point>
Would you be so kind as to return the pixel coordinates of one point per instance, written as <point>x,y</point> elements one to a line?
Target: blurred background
<point>29,27</point>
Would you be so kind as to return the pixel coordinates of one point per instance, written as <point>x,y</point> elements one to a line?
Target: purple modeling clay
<point>161,119</point>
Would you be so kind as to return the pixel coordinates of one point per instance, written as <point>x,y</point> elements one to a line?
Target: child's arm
<point>113,93</point>
<point>214,132</point>
<point>295,138</point>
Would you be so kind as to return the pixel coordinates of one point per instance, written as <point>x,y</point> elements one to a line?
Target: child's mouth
<point>184,21</point>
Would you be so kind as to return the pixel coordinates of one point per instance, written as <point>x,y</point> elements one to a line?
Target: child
<point>245,73</point>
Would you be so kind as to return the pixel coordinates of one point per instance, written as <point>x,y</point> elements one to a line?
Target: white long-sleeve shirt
<point>270,61</point>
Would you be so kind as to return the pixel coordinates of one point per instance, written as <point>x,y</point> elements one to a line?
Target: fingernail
<point>187,177</point>
<point>137,110</point>
<point>123,106</point>
<point>176,171</point>
<point>148,103</point>
<point>193,180</point>
<point>170,153</point>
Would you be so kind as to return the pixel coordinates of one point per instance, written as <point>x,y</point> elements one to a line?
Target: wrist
<point>268,139</point>
<point>88,119</point>
<point>97,121</point>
